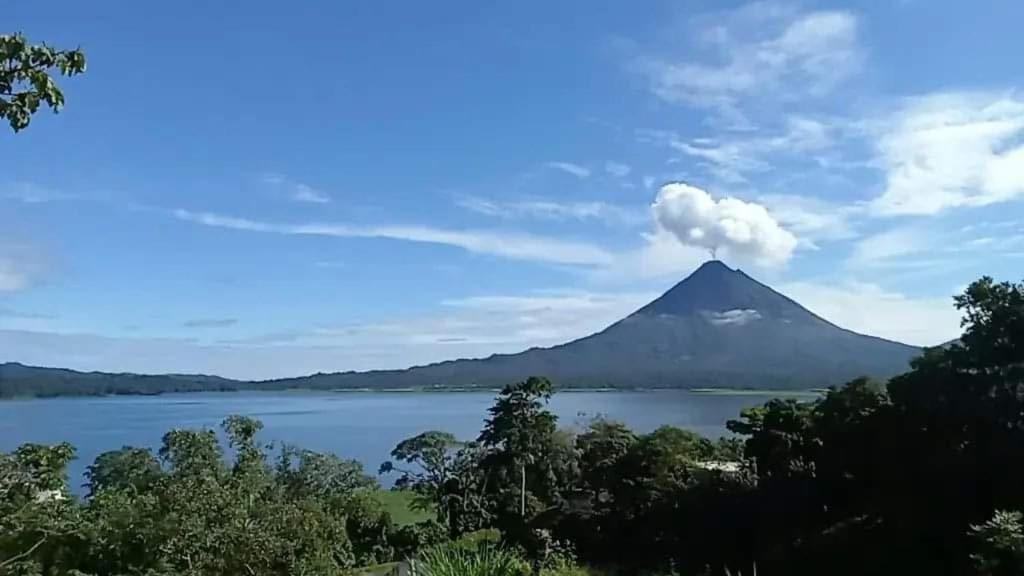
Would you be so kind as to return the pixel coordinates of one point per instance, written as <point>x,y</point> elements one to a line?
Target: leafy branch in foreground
<point>25,79</point>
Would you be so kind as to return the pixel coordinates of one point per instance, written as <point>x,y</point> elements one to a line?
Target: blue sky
<point>265,189</point>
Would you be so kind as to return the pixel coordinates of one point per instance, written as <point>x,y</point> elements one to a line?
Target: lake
<point>360,425</point>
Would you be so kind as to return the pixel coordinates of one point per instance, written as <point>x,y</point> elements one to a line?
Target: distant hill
<point>17,380</point>
<point>716,328</point>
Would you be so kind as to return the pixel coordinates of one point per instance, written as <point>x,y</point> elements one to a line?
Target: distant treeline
<point>20,381</point>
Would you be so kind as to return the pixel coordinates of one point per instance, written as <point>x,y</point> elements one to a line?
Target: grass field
<point>398,503</point>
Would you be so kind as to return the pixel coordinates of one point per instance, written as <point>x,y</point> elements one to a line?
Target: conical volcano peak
<point>714,287</point>
<point>712,266</point>
<point>710,269</point>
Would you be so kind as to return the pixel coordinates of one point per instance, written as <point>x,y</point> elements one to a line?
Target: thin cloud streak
<point>611,214</point>
<point>512,245</point>
<point>210,323</point>
<point>570,168</point>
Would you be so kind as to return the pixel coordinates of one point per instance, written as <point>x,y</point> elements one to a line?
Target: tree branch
<point>24,554</point>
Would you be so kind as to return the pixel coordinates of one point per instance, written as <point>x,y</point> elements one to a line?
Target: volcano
<point>716,328</point>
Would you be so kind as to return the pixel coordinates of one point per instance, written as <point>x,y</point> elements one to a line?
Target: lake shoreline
<point>813,392</point>
<point>365,426</point>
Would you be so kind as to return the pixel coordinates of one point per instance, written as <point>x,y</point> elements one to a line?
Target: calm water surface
<point>360,425</point>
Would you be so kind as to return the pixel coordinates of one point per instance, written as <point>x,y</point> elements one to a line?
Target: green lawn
<point>398,503</point>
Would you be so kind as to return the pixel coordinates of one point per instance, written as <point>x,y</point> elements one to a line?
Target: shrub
<point>457,560</point>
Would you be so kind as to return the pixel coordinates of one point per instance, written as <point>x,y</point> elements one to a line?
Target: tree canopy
<point>26,80</point>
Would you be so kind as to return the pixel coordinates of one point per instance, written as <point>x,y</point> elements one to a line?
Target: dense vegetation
<point>19,381</point>
<point>920,475</point>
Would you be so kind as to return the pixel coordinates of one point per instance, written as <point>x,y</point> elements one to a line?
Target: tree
<point>999,544</point>
<point>432,460</point>
<point>851,423</point>
<point>325,476</point>
<point>127,468</point>
<point>38,522</point>
<point>601,449</point>
<point>779,438</point>
<point>519,432</point>
<point>519,423</point>
<point>526,465</point>
<point>25,80</point>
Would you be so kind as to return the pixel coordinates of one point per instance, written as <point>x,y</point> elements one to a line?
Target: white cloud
<point>660,257</point>
<point>729,162</point>
<point>617,169</point>
<point>885,247</point>
<point>297,191</point>
<point>32,194</point>
<point>555,211</point>
<point>763,50</point>
<point>21,267</point>
<point>482,325</point>
<point>12,277</point>
<point>736,317</point>
<point>952,149</point>
<point>732,158</point>
<point>513,245</point>
<point>812,219</point>
<point>740,229</point>
<point>570,168</point>
<point>870,309</point>
<point>303,193</point>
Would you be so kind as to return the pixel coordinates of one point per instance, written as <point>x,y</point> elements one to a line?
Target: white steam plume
<point>729,225</point>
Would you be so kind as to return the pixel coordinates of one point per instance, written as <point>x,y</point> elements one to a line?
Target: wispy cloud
<point>471,327</point>
<point>21,266</point>
<point>617,169</point>
<point>954,149</point>
<point>297,191</point>
<point>555,211</point>
<point>499,323</point>
<point>924,247</point>
<point>813,219</point>
<point>32,193</point>
<point>6,312</point>
<point>733,158</point>
<point>210,323</point>
<point>883,248</point>
<point>761,49</point>
<point>660,257</point>
<point>512,245</point>
<point>570,168</point>
<point>870,309</point>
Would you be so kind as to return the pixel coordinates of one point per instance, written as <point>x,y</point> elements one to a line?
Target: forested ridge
<point>921,474</point>
<point>20,381</point>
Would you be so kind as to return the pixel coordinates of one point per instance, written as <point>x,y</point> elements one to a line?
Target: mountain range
<point>716,328</point>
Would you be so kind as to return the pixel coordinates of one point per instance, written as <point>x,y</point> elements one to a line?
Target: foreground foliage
<point>462,561</point>
<point>188,511</point>
<point>919,475</point>
<point>26,81</point>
